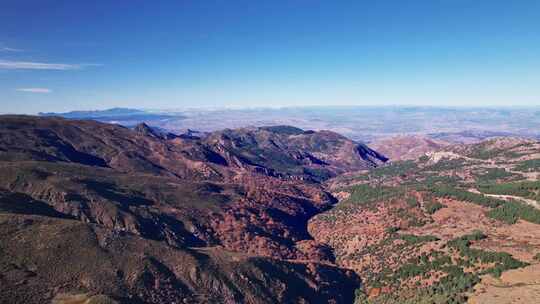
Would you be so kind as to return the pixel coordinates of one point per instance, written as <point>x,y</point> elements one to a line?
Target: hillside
<point>135,216</point>
<point>48,256</point>
<point>252,215</point>
<point>407,147</point>
<point>292,152</point>
<point>428,230</point>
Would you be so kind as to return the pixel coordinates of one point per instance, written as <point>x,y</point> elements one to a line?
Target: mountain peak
<point>144,129</point>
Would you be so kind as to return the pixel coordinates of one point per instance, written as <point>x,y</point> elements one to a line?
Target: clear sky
<point>72,55</point>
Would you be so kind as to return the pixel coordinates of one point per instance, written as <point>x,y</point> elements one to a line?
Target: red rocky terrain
<point>98,212</point>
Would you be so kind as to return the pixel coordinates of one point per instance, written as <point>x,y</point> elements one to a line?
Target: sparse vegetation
<point>449,289</point>
<point>412,201</point>
<point>392,230</point>
<point>360,297</point>
<point>528,165</point>
<point>363,194</point>
<point>409,216</point>
<point>463,195</point>
<point>411,239</point>
<point>492,175</point>
<point>430,181</point>
<point>423,158</point>
<point>393,169</point>
<point>501,261</point>
<point>446,165</point>
<point>512,211</point>
<point>447,274</point>
<point>526,189</point>
<point>483,151</point>
<point>433,206</point>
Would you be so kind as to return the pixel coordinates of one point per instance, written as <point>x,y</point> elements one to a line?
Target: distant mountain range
<point>366,124</point>
<point>123,116</point>
<point>96,113</point>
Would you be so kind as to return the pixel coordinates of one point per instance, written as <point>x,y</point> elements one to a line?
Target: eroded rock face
<point>128,207</point>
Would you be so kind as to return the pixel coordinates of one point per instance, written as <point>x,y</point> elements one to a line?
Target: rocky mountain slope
<point>429,230</point>
<point>99,213</point>
<point>290,152</point>
<point>103,213</point>
<point>48,256</point>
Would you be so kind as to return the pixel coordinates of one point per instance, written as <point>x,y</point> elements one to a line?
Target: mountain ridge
<point>255,215</point>
<point>134,189</point>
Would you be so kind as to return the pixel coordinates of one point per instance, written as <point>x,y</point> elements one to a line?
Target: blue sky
<point>72,55</point>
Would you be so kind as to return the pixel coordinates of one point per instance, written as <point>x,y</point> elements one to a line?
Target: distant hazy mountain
<point>124,116</point>
<point>366,124</point>
<point>96,113</point>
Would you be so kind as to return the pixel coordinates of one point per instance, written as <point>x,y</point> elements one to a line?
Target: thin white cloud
<point>8,49</point>
<point>26,65</point>
<point>35,90</point>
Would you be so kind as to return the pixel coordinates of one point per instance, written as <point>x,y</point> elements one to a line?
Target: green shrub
<point>365,193</point>
<point>463,195</point>
<point>433,206</point>
<point>527,189</point>
<point>512,210</point>
<point>415,239</point>
<point>502,261</point>
<point>482,151</point>
<point>412,202</point>
<point>394,169</point>
<point>528,165</point>
<point>446,165</point>
<point>439,180</point>
<point>360,297</point>
<point>493,174</point>
<point>423,158</point>
<point>392,230</point>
